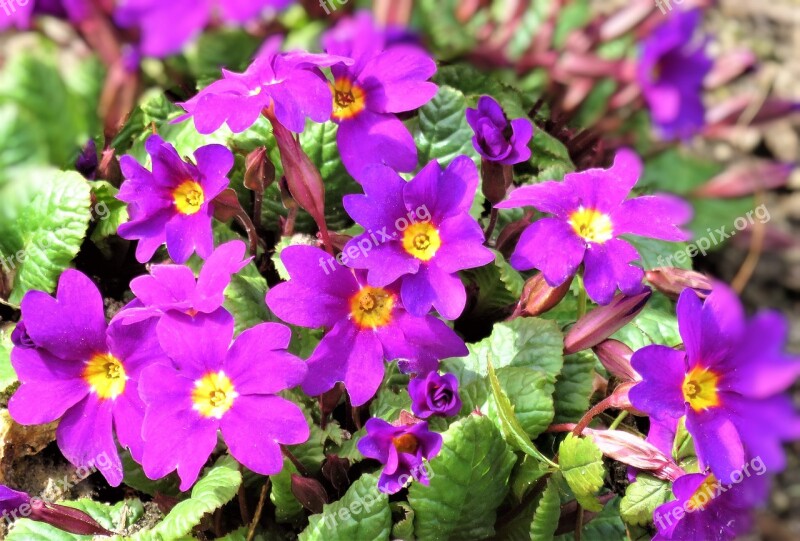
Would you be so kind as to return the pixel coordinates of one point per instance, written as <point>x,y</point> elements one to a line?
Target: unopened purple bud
<point>672,281</point>
<point>20,337</point>
<point>634,451</point>
<point>616,358</point>
<point>309,492</point>
<point>434,395</point>
<point>539,297</point>
<point>604,321</point>
<point>66,518</point>
<point>745,179</point>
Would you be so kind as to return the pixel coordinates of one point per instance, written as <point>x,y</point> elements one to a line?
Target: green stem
<point>581,297</point>
<point>618,420</point>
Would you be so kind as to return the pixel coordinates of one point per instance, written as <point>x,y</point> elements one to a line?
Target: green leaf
<point>658,253</point>
<point>582,466</point>
<point>7,375</point>
<point>605,526</point>
<point>443,132</point>
<point>230,48</point>
<point>549,160</point>
<point>216,488</point>
<point>531,395</point>
<point>389,404</point>
<point>525,475</point>
<point>136,478</point>
<point>574,387</point>
<point>469,481</point>
<point>22,141</point>
<point>287,508</point>
<point>642,498</point>
<point>44,215</point>
<point>497,286</point>
<point>654,325</point>
<point>110,211</point>
<point>509,424</point>
<point>548,511</point>
<point>525,342</point>
<point>676,171</point>
<point>363,513</point>
<point>474,83</point>
<point>450,36</point>
<point>111,517</point>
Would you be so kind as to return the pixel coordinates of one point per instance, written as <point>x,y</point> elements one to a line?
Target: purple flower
<point>366,324</point>
<point>386,78</point>
<point>20,337</point>
<point>497,139</point>
<point>213,385</point>
<point>671,70</point>
<point>288,84</point>
<point>434,395</point>
<point>11,500</point>
<point>172,204</point>
<point>15,505</point>
<point>174,288</point>
<point>705,509</point>
<point>420,232</point>
<point>167,26</point>
<point>83,372</point>
<point>590,212</point>
<point>14,13</point>
<point>401,449</point>
<point>728,382</point>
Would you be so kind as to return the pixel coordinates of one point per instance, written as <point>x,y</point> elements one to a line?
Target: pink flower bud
<point>634,451</point>
<point>604,321</point>
<point>616,358</point>
<point>672,281</point>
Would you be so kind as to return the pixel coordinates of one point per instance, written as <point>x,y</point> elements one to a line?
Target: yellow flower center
<point>372,307</point>
<point>591,225</point>
<point>105,375</point>
<point>422,240</point>
<point>213,395</point>
<point>700,389</point>
<point>348,99</point>
<point>704,493</point>
<point>189,197</point>
<point>405,443</point>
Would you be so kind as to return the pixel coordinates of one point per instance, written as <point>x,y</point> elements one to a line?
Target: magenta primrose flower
<point>589,213</point>
<point>385,78</point>
<point>705,509</point>
<point>288,84</point>
<point>174,288</point>
<point>84,372</point>
<point>420,232</point>
<point>213,385</point>
<point>172,204</point>
<point>729,382</point>
<point>433,394</point>
<point>19,14</point>
<point>671,69</point>
<point>366,324</point>
<point>496,138</point>
<point>167,26</point>
<point>401,449</point>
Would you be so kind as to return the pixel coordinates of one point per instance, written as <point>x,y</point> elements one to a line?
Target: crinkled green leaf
<point>526,474</point>
<point>443,132</point>
<point>548,511</point>
<point>109,212</point>
<point>574,387</point>
<point>605,526</point>
<point>655,253</point>
<point>549,159</point>
<point>468,483</point>
<point>44,214</point>
<point>218,486</point>
<point>642,497</point>
<point>474,83</point>
<point>363,513</point>
<point>653,325</point>
<point>582,467</point>
<point>497,286</point>
<point>22,141</point>
<point>111,517</point>
<point>287,508</point>
<point>525,342</point>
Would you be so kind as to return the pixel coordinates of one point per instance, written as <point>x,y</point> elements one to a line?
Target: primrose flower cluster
<point>174,378</point>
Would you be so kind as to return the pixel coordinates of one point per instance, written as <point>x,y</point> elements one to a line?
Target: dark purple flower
<point>213,385</point>
<point>671,70</point>
<point>20,337</point>
<point>729,382</point>
<point>433,394</point>
<point>420,232</point>
<point>704,509</point>
<point>83,372</point>
<point>288,84</point>
<point>174,288</point>
<point>496,138</point>
<point>11,500</point>
<point>386,78</point>
<point>172,204</point>
<point>366,324</point>
<point>401,449</point>
<point>590,212</point>
<point>167,26</point>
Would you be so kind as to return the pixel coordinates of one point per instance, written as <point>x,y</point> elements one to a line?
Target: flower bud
<point>634,451</point>
<point>539,297</point>
<point>259,170</point>
<point>309,492</point>
<point>672,281</point>
<point>604,321</point>
<point>616,358</point>
<point>66,518</point>
<point>745,179</point>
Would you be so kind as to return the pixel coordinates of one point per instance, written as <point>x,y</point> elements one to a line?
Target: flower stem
<point>259,509</point>
<point>581,297</point>
<point>621,417</point>
<point>492,224</point>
